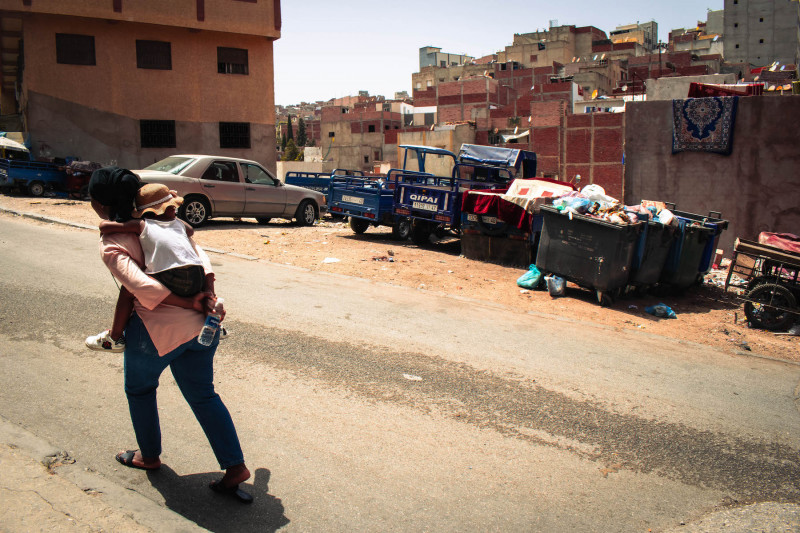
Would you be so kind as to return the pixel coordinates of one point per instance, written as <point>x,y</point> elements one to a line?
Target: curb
<point>47,486</point>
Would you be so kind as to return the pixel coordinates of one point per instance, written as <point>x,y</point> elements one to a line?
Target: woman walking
<point>162,332</point>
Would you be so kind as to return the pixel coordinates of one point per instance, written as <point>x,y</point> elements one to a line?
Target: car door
<point>265,196</point>
<point>221,183</point>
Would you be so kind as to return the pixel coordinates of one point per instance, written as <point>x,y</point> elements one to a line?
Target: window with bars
<point>157,133</point>
<point>72,49</point>
<point>234,135</point>
<point>154,55</point>
<point>232,61</point>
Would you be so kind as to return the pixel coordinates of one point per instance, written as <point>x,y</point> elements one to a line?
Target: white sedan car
<point>215,186</point>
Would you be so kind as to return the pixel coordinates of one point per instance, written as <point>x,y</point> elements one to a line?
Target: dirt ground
<point>706,315</point>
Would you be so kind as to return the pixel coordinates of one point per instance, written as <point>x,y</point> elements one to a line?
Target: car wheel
<point>358,225</point>
<point>36,188</point>
<point>195,211</point>
<point>263,220</point>
<point>306,213</point>
<point>401,229</point>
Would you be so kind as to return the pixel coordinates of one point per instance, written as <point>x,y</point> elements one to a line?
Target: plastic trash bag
<point>555,285</point>
<point>530,279</point>
<point>661,311</point>
<point>572,202</point>
<point>596,193</point>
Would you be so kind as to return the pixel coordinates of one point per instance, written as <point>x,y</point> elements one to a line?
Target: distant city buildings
<point>525,93</point>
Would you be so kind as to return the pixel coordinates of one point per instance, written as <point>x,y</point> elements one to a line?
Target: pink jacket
<point>168,326</point>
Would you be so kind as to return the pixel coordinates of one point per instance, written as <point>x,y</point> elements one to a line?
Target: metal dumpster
<point>682,267</point>
<point>651,253</point>
<point>592,253</point>
<point>714,221</point>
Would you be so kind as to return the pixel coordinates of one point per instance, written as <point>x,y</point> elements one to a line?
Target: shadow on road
<point>190,497</point>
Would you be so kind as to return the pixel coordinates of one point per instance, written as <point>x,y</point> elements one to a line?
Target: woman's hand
<point>204,302</point>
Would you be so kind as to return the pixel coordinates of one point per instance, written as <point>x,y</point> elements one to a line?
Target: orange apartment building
<point>132,81</point>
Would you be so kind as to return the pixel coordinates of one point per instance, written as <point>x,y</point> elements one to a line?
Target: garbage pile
<point>606,246</point>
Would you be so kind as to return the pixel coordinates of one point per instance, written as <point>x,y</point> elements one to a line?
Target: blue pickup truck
<point>369,200</point>
<point>433,204</point>
<point>35,177</point>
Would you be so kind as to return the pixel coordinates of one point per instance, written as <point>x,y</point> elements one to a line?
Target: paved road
<point>363,406</point>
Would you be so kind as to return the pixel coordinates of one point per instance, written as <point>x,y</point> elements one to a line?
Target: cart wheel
<point>605,299</point>
<point>358,225</point>
<point>760,310</point>
<point>401,229</point>
<point>420,233</point>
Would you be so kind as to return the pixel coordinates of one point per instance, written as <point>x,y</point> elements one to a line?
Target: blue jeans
<point>192,366</point>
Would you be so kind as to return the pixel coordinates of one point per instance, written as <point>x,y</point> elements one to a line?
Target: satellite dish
<point>624,88</point>
<point>594,94</point>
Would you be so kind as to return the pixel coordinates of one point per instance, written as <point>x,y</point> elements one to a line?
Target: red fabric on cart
<point>784,241</point>
<point>493,205</point>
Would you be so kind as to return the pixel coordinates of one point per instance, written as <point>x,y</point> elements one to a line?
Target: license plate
<point>424,206</point>
<point>489,220</point>
<point>353,199</point>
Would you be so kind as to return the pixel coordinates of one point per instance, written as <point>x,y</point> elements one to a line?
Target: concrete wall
<point>762,31</point>
<point>757,187</point>
<point>677,88</point>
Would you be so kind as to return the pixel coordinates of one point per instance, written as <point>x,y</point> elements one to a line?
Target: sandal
<point>234,491</point>
<point>126,458</point>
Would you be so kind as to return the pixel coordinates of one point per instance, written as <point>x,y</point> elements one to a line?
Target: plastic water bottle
<point>211,326</point>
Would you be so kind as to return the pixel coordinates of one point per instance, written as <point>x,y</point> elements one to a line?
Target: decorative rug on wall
<point>704,124</point>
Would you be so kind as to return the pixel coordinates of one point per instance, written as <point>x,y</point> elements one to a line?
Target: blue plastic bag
<point>661,311</point>
<point>530,279</point>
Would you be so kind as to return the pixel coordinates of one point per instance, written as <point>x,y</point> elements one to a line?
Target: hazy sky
<point>335,48</point>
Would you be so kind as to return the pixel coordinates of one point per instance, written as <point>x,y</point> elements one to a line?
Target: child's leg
<point>122,313</point>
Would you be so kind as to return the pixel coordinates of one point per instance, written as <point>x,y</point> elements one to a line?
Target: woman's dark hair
<point>115,188</point>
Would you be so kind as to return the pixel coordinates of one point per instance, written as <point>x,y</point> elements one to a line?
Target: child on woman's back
<point>169,256</point>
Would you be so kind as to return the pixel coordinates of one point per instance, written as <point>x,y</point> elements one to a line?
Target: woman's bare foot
<point>235,475</point>
<point>134,459</point>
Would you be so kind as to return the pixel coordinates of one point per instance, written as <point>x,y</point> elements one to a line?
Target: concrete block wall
<point>755,187</point>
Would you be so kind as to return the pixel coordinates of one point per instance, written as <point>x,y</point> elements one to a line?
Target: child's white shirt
<point>166,245</point>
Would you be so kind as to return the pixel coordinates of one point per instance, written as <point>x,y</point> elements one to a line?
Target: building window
<point>376,156</point>
<point>418,85</point>
<point>429,83</point>
<point>330,134</point>
<point>737,46</point>
<point>761,41</point>
<point>442,63</point>
<point>534,58</point>
<point>761,19</point>
<point>157,133</point>
<point>366,159</point>
<point>371,128</point>
<point>234,135</point>
<point>232,61</point>
<point>74,49</point>
<point>154,55</point>
<point>735,24</point>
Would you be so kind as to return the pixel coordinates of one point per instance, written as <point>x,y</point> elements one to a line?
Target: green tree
<point>290,154</point>
<point>283,141</point>
<point>290,131</point>
<point>302,140</point>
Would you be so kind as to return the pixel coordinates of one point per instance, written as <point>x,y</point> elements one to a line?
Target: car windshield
<point>173,165</point>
